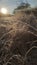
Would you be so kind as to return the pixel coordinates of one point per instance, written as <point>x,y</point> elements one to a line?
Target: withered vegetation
<point>18,39</point>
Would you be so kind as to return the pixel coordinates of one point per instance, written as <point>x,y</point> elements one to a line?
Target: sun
<point>3,10</point>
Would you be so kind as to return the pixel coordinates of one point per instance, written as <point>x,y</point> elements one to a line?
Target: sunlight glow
<point>3,10</point>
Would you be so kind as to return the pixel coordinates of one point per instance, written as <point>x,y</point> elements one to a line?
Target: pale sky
<point>12,4</point>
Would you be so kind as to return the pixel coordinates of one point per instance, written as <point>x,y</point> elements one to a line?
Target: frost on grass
<point>18,40</point>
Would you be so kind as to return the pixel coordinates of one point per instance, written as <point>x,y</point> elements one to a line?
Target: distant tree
<point>27,5</point>
<point>22,6</point>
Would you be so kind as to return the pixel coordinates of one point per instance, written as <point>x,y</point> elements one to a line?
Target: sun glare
<point>3,10</point>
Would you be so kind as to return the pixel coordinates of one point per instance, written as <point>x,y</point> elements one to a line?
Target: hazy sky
<point>11,4</point>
